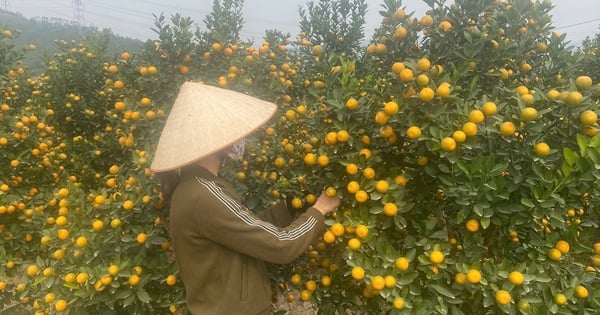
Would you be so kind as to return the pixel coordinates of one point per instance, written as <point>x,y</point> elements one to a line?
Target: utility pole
<point>4,5</point>
<point>78,11</point>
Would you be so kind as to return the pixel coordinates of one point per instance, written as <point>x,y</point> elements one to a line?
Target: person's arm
<point>225,221</point>
<point>278,214</point>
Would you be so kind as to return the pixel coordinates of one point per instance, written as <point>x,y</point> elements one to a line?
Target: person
<point>221,246</point>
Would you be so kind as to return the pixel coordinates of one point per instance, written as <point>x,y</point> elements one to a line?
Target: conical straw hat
<point>204,120</point>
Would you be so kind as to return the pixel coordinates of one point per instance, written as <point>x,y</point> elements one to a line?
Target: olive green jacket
<point>221,246</point>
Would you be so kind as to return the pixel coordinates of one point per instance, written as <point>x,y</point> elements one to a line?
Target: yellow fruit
<point>390,209</point>
<point>382,186</point>
<point>443,90</point>
<point>391,108</point>
<point>597,248</point>
<point>352,104</point>
<point>399,303</point>
<point>522,90</point>
<point>114,169</point>
<point>459,136</point>
<point>552,95</point>
<point>413,132</point>
<point>503,297</point>
<point>63,193</point>
<point>507,128</point>
<point>445,26</point>
<point>369,173</point>
<point>378,282</point>
<point>337,229</point>
<point>354,244</point>
<point>296,279</point>
<point>516,278</point>
<point>426,21</point>
<point>528,99</point>
<point>311,285</point>
<point>390,281</point>
<point>426,94</point>
<point>422,80</point>
<point>323,160</point>
<point>115,223</point>
<point>171,280</point>
<point>402,263</point>
<point>133,280</point>
<point>448,144</point>
<point>362,231</point>
<point>32,270</point>
<point>358,273</point>
<point>60,305</point>
<point>361,196</point>
<point>381,118</point>
<point>476,116</point>
<point>473,276</point>
<point>562,246</point>
<point>141,238</point>
<point>472,225</point>
<point>113,270</point>
<point>305,295</point>
<point>470,129</point>
<point>489,108</point>
<point>400,180</point>
<point>400,33</point>
<point>588,118</point>
<point>82,278</point>
<point>62,234</point>
<point>406,75</point>
<point>343,136</point>
<point>581,292</point>
<point>554,254</point>
<point>128,205</point>
<point>70,278</point>
<point>81,241</point>
<point>328,237</point>
<point>352,169</point>
<point>97,225</point>
<point>574,98</point>
<point>542,149</point>
<point>436,257</point>
<point>560,299</point>
<point>529,114</point>
<point>583,82</point>
<point>353,187</point>
<point>460,278</point>
<point>397,67</point>
<point>423,64</point>
<point>330,192</point>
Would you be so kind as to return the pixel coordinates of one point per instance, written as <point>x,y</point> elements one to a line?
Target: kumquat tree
<point>463,143</point>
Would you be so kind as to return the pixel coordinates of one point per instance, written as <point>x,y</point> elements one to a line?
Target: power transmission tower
<point>78,11</point>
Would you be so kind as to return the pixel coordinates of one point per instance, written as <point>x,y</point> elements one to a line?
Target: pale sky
<point>133,18</point>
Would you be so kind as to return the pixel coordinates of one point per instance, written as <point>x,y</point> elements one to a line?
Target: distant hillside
<point>43,32</point>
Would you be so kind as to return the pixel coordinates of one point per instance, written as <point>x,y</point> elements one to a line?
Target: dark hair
<point>168,182</point>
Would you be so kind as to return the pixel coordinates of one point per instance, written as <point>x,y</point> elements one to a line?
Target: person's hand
<point>326,204</point>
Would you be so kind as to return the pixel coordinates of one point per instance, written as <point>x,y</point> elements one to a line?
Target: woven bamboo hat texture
<point>204,120</point>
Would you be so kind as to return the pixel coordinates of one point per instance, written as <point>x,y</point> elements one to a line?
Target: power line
<point>577,24</point>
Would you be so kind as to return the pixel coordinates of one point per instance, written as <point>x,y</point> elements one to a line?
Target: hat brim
<point>205,120</point>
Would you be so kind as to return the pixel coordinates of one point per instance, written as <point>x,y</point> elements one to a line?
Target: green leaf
<point>407,278</point>
<point>581,143</point>
<point>570,156</point>
<point>143,296</point>
<point>443,290</point>
<point>498,169</point>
